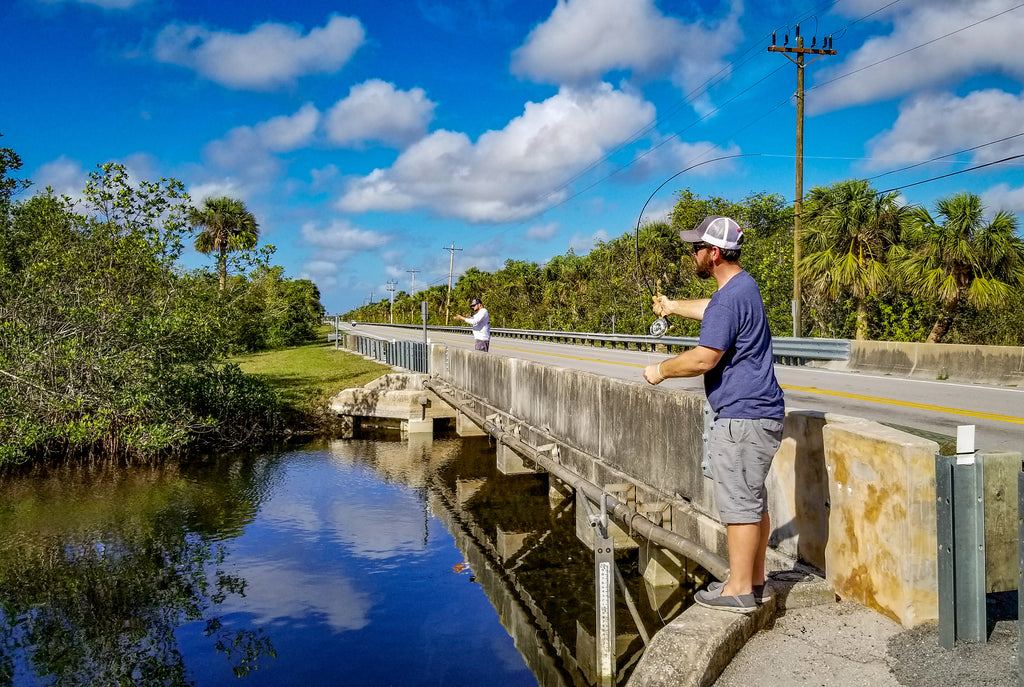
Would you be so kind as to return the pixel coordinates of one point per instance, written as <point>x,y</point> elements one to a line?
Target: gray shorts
<point>740,453</point>
<point>482,345</point>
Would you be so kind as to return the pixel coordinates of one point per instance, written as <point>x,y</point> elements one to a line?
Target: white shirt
<point>481,323</point>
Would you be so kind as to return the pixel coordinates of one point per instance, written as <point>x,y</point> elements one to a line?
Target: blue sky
<point>368,136</point>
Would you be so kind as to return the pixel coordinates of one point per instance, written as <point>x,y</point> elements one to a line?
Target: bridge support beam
<point>465,427</point>
<point>418,426</point>
<point>511,463</point>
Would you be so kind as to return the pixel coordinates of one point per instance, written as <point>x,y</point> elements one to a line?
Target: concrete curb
<point>694,649</point>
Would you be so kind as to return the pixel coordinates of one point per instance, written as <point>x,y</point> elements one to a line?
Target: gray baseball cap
<point>715,230</point>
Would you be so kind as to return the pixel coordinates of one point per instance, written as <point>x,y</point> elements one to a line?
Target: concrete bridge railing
<point>850,497</point>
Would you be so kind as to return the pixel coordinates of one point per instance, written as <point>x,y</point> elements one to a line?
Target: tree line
<point>107,346</point>
<point>871,267</point>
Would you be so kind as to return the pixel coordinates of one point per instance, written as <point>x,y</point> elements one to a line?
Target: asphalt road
<point>928,406</point>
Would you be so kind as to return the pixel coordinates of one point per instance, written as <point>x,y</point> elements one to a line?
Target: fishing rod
<point>661,325</point>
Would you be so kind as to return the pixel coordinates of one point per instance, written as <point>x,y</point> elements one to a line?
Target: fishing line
<point>661,325</point>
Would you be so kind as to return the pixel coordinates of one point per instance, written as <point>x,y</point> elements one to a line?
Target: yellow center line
<point>907,404</point>
<point>812,390</point>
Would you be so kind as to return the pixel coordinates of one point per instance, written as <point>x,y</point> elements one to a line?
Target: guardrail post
<point>960,515</point>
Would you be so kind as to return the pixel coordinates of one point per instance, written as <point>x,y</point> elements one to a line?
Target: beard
<point>702,269</point>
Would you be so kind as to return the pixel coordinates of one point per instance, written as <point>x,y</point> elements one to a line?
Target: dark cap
<point>475,301</point>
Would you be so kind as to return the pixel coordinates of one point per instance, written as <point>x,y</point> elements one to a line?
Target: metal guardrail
<point>787,350</point>
<point>412,355</point>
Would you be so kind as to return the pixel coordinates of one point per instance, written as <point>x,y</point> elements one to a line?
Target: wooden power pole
<point>451,266</point>
<point>798,203</point>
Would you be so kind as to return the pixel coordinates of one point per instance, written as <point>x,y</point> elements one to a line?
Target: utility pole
<point>451,267</point>
<point>412,291</point>
<point>391,304</point>
<point>798,203</point>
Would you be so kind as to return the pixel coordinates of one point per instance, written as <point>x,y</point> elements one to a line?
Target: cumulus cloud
<point>65,176</point>
<point>269,56</point>
<point>334,244</point>
<point>377,111</point>
<point>1003,197</point>
<point>581,244</point>
<point>989,47</point>
<point>542,232</point>
<point>930,125</point>
<point>508,174</point>
<point>340,239</point>
<point>584,39</point>
<point>671,155</point>
<point>249,150</point>
<point>218,188</point>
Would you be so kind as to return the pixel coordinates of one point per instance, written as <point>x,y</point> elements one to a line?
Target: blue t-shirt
<point>742,385</point>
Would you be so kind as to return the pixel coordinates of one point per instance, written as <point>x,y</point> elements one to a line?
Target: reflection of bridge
<point>852,498</point>
<point>518,538</point>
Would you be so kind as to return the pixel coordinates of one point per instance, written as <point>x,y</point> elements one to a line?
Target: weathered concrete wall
<point>957,362</point>
<point>882,549</point>
<point>850,497</point>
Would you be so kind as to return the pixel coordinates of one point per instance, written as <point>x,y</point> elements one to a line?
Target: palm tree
<point>849,229</point>
<point>962,259</point>
<point>225,225</point>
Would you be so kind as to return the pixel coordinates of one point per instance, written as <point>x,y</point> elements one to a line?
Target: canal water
<point>381,561</point>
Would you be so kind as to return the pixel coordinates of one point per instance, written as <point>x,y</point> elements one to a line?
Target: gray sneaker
<point>762,592</point>
<point>744,603</point>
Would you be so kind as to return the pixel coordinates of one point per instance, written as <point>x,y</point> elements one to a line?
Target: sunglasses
<point>698,247</point>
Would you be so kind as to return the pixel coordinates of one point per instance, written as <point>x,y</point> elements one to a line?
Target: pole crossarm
<point>805,51</point>
<point>800,63</point>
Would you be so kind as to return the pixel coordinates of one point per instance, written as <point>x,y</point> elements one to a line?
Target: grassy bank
<point>307,376</point>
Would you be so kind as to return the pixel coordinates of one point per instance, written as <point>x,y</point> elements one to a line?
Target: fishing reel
<point>659,327</point>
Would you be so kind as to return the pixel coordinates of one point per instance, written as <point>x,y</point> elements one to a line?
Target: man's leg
<point>744,548</point>
<point>762,550</point>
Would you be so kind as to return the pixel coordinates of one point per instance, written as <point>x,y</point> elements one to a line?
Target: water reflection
<point>359,562</point>
<point>98,568</point>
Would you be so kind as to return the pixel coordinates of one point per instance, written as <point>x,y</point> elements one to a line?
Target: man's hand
<point>460,317</point>
<point>652,374</point>
<point>661,305</point>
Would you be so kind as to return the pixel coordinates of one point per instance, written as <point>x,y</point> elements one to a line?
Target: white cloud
<point>218,188</point>
<point>1003,197</point>
<point>508,174</point>
<point>340,239</point>
<point>933,124</point>
<point>989,47</point>
<point>269,56</point>
<point>249,150</point>
<point>322,178</point>
<point>581,245</point>
<point>68,177</point>
<point>377,111</point>
<point>65,176</point>
<point>583,40</point>
<point>699,159</point>
<point>542,232</point>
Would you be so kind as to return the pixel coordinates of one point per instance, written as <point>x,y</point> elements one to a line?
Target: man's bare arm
<point>692,309</point>
<point>691,363</point>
